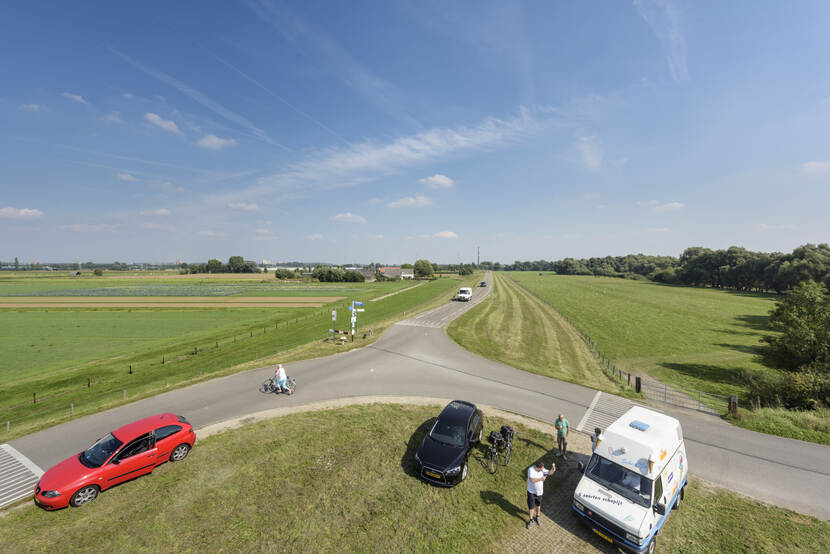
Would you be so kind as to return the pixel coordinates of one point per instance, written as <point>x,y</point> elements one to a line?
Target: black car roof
<point>457,411</point>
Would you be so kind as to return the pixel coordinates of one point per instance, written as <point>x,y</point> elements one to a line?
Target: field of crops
<point>689,337</point>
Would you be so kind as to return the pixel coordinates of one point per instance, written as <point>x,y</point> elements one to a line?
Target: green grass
<point>287,335</point>
<point>341,481</point>
<point>812,426</point>
<point>691,338</point>
<point>516,328</point>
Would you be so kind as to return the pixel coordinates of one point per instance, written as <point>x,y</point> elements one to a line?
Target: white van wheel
<point>652,545</point>
<point>679,498</point>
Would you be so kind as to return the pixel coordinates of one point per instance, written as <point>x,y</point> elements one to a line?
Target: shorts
<point>533,500</point>
<point>282,382</point>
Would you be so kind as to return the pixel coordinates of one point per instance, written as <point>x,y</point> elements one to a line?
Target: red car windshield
<point>100,452</point>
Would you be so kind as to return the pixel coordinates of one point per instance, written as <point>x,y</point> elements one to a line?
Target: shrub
<point>98,272</point>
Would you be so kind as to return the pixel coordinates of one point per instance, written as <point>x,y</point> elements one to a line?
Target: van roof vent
<point>639,425</point>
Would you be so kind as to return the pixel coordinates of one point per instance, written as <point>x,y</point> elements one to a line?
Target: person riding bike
<point>280,378</point>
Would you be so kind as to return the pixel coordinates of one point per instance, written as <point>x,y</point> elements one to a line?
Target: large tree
<point>424,269</point>
<point>803,319</point>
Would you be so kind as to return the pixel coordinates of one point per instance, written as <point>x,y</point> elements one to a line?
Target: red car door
<point>166,438</point>
<point>136,458</point>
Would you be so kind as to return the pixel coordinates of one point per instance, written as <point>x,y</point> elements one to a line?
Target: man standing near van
<point>536,475</point>
<point>562,429</point>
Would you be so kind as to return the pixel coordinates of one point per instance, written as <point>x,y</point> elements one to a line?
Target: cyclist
<point>280,378</point>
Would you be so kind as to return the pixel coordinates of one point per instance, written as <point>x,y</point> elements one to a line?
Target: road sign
<point>351,308</point>
<point>334,315</point>
<point>354,319</point>
<point>359,310</point>
<point>357,303</point>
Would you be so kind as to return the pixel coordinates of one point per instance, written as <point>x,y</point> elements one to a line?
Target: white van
<point>465,294</point>
<point>636,475</point>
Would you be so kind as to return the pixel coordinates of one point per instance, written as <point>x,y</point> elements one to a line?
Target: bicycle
<point>270,385</point>
<point>501,445</point>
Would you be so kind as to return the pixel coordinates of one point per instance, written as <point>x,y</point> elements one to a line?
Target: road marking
<point>18,475</point>
<point>585,417</point>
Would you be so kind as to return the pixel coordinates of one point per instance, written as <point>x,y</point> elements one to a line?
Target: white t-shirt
<point>281,374</point>
<point>533,473</point>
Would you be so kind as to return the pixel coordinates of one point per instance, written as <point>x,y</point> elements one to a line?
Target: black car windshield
<point>100,452</point>
<point>448,433</point>
<point>623,480</point>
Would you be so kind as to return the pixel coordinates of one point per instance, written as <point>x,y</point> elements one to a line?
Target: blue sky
<point>389,131</point>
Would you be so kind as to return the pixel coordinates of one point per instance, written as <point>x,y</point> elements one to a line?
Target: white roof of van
<point>641,436</point>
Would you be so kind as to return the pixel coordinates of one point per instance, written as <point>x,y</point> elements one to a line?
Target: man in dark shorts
<point>536,475</point>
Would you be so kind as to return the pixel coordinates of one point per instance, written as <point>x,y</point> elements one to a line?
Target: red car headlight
<point>51,494</point>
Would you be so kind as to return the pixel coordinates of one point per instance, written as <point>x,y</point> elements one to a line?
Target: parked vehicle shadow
<point>492,497</point>
<point>408,459</point>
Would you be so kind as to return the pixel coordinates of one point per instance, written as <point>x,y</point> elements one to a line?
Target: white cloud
<point>774,227</point>
<point>446,235</point>
<point>30,107</point>
<point>76,97</point>
<point>20,213</point>
<point>349,217</point>
<point>88,228</point>
<point>215,143</point>
<point>437,181</point>
<point>165,124</point>
<point>591,153</point>
<point>662,17</point>
<point>418,201</point>
<point>315,236</point>
<point>816,167</point>
<point>158,226</point>
<point>669,207</point>
<point>647,202</point>
<point>590,195</point>
<point>127,177</point>
<point>160,211</point>
<point>113,117</point>
<point>244,207</point>
<point>376,237</point>
<point>213,234</point>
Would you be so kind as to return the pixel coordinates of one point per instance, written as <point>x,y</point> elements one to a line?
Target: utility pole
<point>478,256</point>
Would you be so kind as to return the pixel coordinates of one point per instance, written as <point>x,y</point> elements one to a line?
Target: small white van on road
<point>465,294</point>
<point>636,475</point>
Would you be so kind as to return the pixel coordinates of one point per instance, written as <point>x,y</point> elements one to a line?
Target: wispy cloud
<point>662,16</point>
<point>160,211</point>
<point>349,217</point>
<point>30,107</point>
<point>127,177</point>
<point>445,235</point>
<point>647,202</point>
<point>437,181</point>
<point>591,153</point>
<point>91,228</point>
<point>158,226</point>
<point>202,99</point>
<point>212,234</point>
<point>76,97</point>
<point>244,206</point>
<point>376,237</point>
<point>215,143</point>
<point>165,124</point>
<point>112,117</point>
<point>418,201</point>
<point>264,234</point>
<point>816,167</point>
<point>669,207</point>
<point>315,236</point>
<point>170,187</point>
<point>20,213</point>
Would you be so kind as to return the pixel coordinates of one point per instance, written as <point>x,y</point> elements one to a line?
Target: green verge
<point>517,329</point>
<point>690,338</point>
<point>342,481</point>
<point>62,393</point>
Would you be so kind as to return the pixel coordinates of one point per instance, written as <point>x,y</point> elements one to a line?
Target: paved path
<point>421,360</point>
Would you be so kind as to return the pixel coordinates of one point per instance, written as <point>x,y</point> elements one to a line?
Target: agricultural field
<point>343,480</point>
<point>87,357</point>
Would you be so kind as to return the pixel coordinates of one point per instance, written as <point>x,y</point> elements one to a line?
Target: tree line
<point>236,264</point>
<point>734,268</point>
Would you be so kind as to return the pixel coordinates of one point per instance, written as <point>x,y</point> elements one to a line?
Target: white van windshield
<point>622,480</point>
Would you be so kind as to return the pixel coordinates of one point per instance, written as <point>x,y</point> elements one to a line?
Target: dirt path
<point>396,292</point>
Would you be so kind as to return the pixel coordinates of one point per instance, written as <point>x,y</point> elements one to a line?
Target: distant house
<point>407,274</point>
<point>368,274</point>
<point>390,272</point>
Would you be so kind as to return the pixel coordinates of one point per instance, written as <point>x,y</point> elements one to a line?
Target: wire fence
<point>653,389</point>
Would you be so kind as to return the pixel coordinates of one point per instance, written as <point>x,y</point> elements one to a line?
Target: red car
<point>126,453</point>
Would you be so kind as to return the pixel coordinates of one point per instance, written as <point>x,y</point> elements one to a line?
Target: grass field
<point>516,328</point>
<point>342,481</point>
<point>145,351</point>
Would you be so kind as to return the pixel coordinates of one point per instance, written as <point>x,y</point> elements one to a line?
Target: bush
<point>98,272</point>
<point>808,389</point>
<point>281,273</point>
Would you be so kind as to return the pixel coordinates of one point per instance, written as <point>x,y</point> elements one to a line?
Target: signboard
<point>357,303</point>
<point>359,310</point>
<point>334,315</point>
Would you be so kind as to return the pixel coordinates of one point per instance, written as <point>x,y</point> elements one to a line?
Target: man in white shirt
<point>536,475</point>
<point>279,375</point>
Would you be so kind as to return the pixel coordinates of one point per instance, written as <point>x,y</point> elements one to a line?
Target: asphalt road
<point>417,358</point>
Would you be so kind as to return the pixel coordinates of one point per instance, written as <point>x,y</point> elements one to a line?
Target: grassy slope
<point>342,481</point>
<point>237,349</point>
<point>516,328</point>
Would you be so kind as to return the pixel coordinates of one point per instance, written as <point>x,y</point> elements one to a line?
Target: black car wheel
<point>84,496</point>
<point>180,452</point>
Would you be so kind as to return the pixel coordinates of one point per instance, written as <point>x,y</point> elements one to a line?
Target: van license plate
<point>604,536</point>
<point>433,475</point>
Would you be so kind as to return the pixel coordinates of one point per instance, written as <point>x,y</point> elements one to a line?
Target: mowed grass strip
<point>343,481</point>
<point>176,361</point>
<point>170,299</point>
<point>516,328</point>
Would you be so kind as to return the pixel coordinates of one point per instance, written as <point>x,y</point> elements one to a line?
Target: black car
<point>442,457</point>
<point>483,284</point>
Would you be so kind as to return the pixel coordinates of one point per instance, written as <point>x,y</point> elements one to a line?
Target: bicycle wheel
<point>508,453</point>
<point>290,385</point>
<point>266,386</point>
<point>492,461</point>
